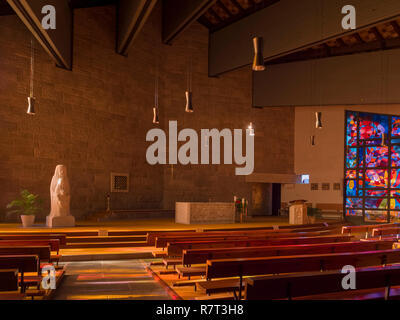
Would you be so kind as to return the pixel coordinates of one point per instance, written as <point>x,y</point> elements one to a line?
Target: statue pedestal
<point>53,222</point>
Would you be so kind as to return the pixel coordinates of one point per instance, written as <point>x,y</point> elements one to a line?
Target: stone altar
<point>60,198</point>
<point>204,212</point>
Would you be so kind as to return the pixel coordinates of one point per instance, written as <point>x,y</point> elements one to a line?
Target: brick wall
<point>95,118</point>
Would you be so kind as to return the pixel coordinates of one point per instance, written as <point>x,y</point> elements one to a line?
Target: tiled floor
<point>120,279</point>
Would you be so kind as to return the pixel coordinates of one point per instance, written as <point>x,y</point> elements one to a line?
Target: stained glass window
<point>372,167</point>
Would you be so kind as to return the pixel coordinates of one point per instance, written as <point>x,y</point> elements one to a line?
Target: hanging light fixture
<point>318,120</point>
<point>251,129</point>
<point>156,119</point>
<point>188,93</point>
<point>258,63</point>
<point>31,99</point>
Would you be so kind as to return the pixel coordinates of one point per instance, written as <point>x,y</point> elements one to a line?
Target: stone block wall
<point>95,118</point>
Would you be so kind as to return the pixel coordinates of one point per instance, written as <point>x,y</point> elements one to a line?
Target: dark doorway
<point>276,198</point>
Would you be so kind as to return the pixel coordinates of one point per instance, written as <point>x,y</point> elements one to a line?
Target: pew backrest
<point>198,256</point>
<point>8,280</point>
<point>366,228</point>
<point>53,243</point>
<point>176,248</point>
<point>161,242</point>
<point>378,232</point>
<point>315,283</point>
<point>24,263</point>
<point>61,237</point>
<point>305,263</point>
<point>43,252</point>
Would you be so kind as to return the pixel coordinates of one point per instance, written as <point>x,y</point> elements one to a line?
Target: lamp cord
<point>32,66</point>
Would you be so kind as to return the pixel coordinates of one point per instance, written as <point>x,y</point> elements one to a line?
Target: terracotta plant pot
<point>27,221</point>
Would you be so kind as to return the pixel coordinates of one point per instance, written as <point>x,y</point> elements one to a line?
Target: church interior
<point>211,150</point>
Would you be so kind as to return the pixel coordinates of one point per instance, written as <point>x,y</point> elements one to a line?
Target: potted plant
<point>26,206</point>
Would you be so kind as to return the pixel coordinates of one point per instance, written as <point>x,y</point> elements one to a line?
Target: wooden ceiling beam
<point>178,15</point>
<point>215,15</point>
<point>56,42</point>
<point>238,6</point>
<point>378,36</point>
<point>132,15</point>
<point>242,13</point>
<point>358,38</point>
<point>396,27</point>
<point>223,7</point>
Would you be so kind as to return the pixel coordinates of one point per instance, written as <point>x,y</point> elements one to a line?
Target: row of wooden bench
<point>22,254</point>
<point>225,261</point>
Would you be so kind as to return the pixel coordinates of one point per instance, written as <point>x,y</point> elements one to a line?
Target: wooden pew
<point>175,249</point>
<point>42,252</point>
<point>61,237</point>
<point>200,256</point>
<point>24,264</point>
<point>151,236</point>
<point>9,285</point>
<point>225,268</point>
<point>379,232</point>
<point>366,228</point>
<point>314,284</point>
<point>8,280</point>
<point>161,242</point>
<point>53,243</point>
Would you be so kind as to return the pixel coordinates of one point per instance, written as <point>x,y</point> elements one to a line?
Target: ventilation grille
<point>119,182</point>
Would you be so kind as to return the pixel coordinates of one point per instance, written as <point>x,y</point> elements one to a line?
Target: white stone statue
<point>60,197</point>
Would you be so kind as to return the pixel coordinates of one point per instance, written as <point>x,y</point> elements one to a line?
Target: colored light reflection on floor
<point>105,280</point>
<point>108,276</point>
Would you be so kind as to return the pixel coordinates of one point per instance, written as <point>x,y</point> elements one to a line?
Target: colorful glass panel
<point>376,203</point>
<point>352,129</point>
<point>395,203</point>
<point>354,203</point>
<point>351,158</point>
<point>354,213</point>
<point>395,179</point>
<point>351,190</point>
<point>351,174</point>
<point>395,126</point>
<point>395,193</point>
<point>371,168</point>
<point>376,179</point>
<point>396,156</point>
<point>377,157</point>
<point>375,193</point>
<point>372,126</point>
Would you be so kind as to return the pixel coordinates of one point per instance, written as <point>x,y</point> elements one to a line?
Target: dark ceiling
<point>225,12</point>
<point>220,15</point>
